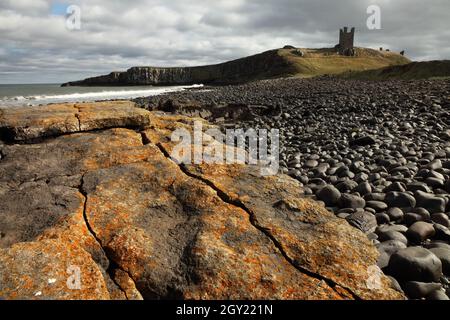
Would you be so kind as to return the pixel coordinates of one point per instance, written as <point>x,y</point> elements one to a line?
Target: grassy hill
<point>415,70</point>
<point>316,62</point>
<point>286,62</point>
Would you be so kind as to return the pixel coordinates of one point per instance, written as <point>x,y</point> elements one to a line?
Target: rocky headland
<point>93,207</point>
<point>286,62</point>
<point>265,65</point>
<point>376,153</point>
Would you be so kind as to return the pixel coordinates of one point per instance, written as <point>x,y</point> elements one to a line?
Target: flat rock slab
<point>112,204</point>
<point>309,236</point>
<point>28,123</point>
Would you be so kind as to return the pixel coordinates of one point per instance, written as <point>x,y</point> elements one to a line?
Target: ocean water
<point>12,95</point>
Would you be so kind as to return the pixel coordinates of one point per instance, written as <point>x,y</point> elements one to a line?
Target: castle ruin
<point>346,42</point>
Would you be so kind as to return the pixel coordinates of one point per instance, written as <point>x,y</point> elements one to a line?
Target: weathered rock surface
<point>21,124</point>
<point>111,205</point>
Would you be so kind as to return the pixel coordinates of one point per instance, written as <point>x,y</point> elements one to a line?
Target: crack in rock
<point>112,264</point>
<point>237,203</point>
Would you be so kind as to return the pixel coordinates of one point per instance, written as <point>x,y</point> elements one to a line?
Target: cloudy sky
<point>36,45</point>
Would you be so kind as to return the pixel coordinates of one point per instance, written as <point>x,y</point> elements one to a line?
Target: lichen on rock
<point>93,186</point>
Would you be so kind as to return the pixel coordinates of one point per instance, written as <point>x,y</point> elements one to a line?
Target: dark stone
<point>395,186</point>
<point>363,141</point>
<point>351,201</point>
<point>417,290</point>
<point>430,202</point>
<point>437,244</point>
<point>444,255</point>
<point>420,231</point>
<point>375,197</point>
<point>400,199</point>
<point>435,183</point>
<point>346,186</point>
<point>329,194</point>
<point>424,213</point>
<point>395,214</point>
<point>394,227</point>
<point>395,284</point>
<point>363,188</point>
<point>364,221</point>
<point>391,246</point>
<point>311,163</point>
<point>392,235</point>
<point>441,218</point>
<point>434,165</point>
<point>383,259</point>
<point>442,233</point>
<point>378,206</point>
<point>410,218</point>
<point>438,295</point>
<point>447,186</point>
<point>418,186</point>
<point>415,264</point>
<point>382,218</point>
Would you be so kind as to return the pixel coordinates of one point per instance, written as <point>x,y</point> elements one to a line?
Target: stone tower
<point>346,41</point>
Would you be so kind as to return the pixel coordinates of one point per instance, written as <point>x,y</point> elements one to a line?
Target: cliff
<point>266,65</point>
<point>94,208</point>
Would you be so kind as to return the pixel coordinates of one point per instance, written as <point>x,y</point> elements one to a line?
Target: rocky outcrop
<point>102,199</point>
<point>25,124</point>
<point>264,65</point>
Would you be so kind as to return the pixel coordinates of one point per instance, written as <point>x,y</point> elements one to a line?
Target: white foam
<point>91,96</point>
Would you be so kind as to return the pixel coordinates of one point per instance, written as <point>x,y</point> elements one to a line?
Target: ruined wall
<point>346,41</point>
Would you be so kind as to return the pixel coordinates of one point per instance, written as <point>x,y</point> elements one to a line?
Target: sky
<point>39,42</point>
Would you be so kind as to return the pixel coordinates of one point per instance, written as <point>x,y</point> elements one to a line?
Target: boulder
<point>392,235</point>
<point>378,206</point>
<point>417,290</point>
<point>438,295</point>
<point>430,202</point>
<point>395,214</point>
<point>400,199</point>
<point>329,195</point>
<point>364,221</point>
<point>444,255</point>
<point>442,233</point>
<point>351,201</point>
<point>415,264</point>
<point>420,231</point>
<point>441,218</point>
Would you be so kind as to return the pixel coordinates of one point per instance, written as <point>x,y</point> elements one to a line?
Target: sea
<point>15,95</point>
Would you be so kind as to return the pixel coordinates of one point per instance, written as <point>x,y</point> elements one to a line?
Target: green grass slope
<point>317,62</point>
<point>411,71</point>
